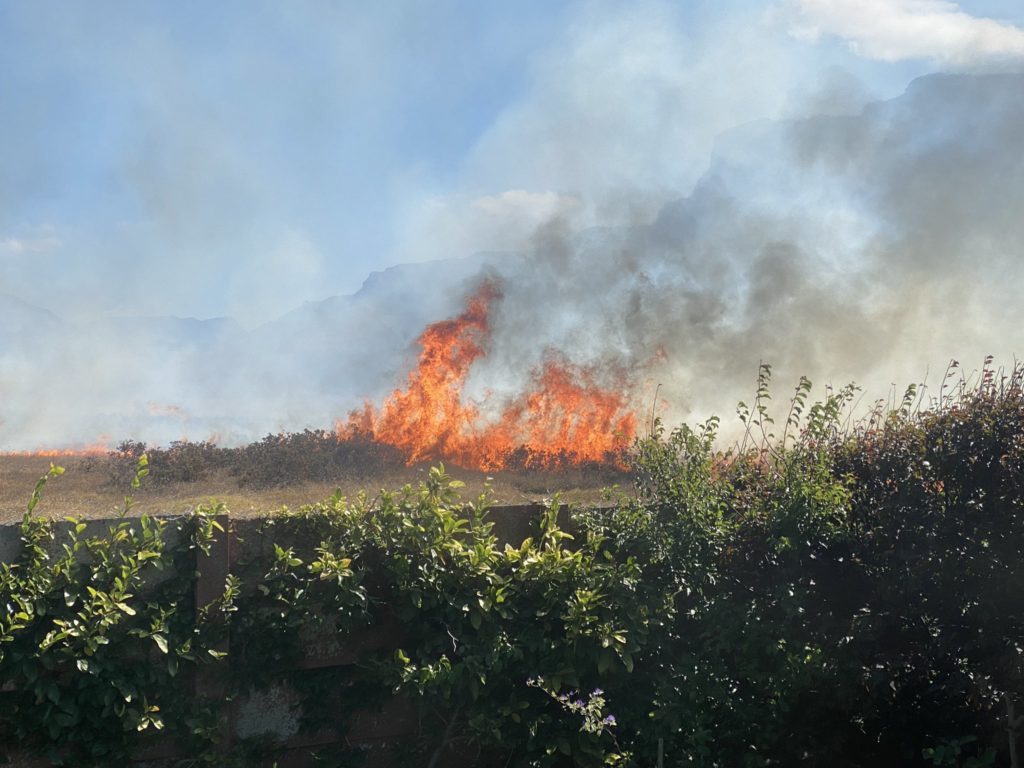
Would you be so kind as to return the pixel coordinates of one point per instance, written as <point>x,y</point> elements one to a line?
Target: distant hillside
<point>164,378</point>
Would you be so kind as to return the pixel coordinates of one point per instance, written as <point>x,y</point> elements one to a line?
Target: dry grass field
<point>86,489</point>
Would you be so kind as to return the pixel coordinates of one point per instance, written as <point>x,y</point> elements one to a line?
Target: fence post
<point>212,569</point>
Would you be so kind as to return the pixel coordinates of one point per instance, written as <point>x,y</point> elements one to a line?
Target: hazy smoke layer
<point>869,247</point>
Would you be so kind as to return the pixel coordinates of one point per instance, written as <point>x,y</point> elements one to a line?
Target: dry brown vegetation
<point>89,488</point>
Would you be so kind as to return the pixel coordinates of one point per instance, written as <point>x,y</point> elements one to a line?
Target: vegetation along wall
<point>819,595</point>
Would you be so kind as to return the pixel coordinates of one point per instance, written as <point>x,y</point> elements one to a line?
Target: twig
<point>445,738</point>
<point>1013,725</point>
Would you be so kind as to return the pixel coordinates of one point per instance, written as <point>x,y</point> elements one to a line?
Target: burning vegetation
<point>99,448</point>
<point>569,418</point>
<point>564,418</point>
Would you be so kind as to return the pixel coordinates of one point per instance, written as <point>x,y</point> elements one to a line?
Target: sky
<point>240,158</point>
<point>677,190</point>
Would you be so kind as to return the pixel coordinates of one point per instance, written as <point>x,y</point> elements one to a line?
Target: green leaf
<point>161,642</point>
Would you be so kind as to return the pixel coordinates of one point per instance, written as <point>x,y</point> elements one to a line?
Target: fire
<point>564,416</point>
<point>165,409</point>
<point>99,448</point>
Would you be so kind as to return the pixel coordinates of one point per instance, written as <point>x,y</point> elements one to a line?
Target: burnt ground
<point>95,487</point>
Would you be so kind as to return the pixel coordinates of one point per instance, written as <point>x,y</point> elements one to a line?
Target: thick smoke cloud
<point>866,247</point>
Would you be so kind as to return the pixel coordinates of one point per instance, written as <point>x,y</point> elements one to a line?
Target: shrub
<point>98,633</point>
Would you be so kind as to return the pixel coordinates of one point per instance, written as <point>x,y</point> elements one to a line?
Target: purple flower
<point>609,720</point>
<point>597,692</point>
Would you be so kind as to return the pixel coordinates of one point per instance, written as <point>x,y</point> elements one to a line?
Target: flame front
<point>100,448</point>
<point>565,416</point>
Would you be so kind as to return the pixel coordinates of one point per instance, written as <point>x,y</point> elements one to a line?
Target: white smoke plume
<point>648,203</point>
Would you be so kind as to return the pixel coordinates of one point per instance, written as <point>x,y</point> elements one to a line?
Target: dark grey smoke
<point>873,247</point>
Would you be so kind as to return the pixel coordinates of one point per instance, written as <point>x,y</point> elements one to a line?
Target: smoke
<point>668,193</point>
<point>860,248</point>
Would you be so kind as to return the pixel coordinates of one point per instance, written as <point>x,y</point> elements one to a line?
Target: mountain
<point>23,325</point>
<point>166,378</point>
<point>350,347</point>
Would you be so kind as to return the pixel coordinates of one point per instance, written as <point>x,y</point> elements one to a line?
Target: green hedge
<point>98,632</point>
<point>828,596</point>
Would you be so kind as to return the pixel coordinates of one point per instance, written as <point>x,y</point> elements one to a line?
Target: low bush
<point>323,456</point>
<point>276,460</point>
<point>98,635</point>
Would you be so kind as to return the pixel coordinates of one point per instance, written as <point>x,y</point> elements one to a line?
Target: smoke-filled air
<point>474,232</point>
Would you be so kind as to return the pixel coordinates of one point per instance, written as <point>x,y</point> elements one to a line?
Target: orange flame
<point>165,409</point>
<point>564,417</point>
<point>100,448</point>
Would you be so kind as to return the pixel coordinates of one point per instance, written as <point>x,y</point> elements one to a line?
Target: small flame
<point>564,416</point>
<point>99,448</point>
<point>168,410</point>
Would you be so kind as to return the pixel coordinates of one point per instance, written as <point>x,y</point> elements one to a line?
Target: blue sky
<point>206,159</point>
